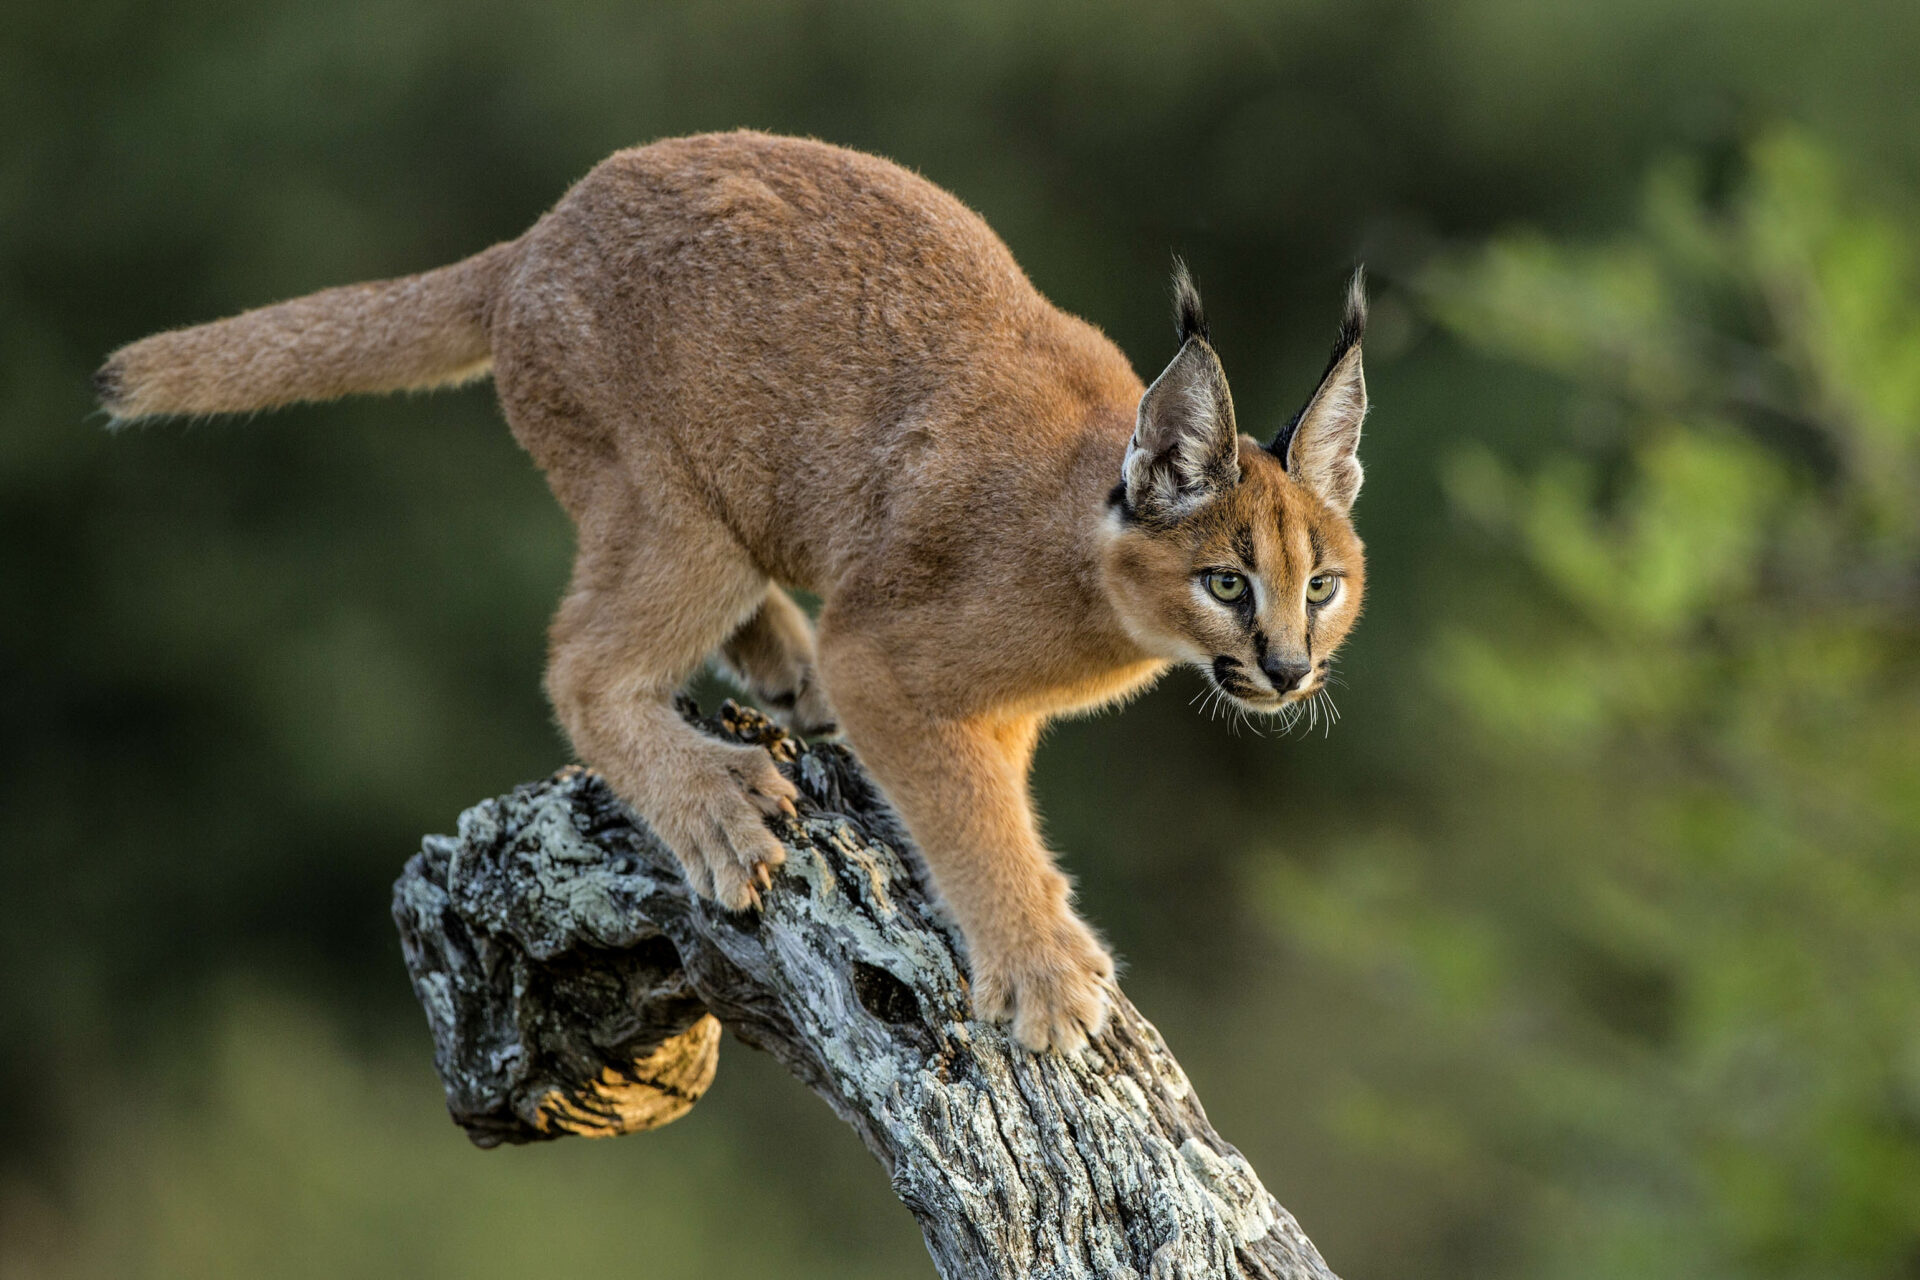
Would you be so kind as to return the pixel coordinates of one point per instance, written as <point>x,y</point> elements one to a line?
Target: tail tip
<point>116,390</point>
<point>109,388</point>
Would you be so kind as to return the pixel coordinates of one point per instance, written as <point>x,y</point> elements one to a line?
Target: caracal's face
<point>1257,587</point>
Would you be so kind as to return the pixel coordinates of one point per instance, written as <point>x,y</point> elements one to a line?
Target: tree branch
<point>573,982</point>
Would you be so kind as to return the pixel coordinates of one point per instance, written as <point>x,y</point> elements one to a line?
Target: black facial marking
<point>1286,543</point>
<point>1243,547</point>
<point>1226,674</point>
<point>1260,645</point>
<point>1319,546</point>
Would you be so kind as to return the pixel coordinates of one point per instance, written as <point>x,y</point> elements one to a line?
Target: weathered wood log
<point>572,983</point>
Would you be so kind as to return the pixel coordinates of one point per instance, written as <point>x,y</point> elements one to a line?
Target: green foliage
<point>1671,909</point>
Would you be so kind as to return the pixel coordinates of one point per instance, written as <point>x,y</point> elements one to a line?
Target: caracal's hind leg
<point>771,657</point>
<point>642,614</point>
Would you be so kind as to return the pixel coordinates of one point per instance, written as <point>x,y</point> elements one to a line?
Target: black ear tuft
<point>1320,447</point>
<point>1189,316</point>
<point>1353,327</point>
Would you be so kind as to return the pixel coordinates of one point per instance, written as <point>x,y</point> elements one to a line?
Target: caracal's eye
<point>1320,588</point>
<point>1227,587</point>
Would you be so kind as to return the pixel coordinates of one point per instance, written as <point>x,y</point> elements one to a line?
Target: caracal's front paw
<point>1052,986</point>
<point>715,821</point>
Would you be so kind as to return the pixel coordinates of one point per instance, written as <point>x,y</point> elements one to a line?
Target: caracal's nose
<point>1285,674</point>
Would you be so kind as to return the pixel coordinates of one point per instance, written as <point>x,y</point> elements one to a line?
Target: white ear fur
<point>1323,453</point>
<point>1185,448</point>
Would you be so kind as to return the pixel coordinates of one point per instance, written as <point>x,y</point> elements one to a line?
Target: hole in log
<point>883,995</point>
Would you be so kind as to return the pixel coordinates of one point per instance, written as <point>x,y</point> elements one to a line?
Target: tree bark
<point>575,985</point>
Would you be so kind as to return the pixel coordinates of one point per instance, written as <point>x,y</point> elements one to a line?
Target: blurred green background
<point>1586,945</point>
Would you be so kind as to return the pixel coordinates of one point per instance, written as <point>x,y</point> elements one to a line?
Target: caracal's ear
<point>1320,447</point>
<point>1185,448</point>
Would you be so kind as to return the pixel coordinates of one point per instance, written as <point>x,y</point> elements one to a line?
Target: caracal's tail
<point>428,330</point>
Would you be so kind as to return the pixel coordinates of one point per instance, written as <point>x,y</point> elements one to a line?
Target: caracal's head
<point>1237,557</point>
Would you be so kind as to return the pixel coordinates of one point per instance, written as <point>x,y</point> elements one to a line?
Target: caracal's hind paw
<point>804,710</point>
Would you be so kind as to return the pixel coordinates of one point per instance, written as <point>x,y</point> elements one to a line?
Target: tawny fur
<point>750,363</point>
